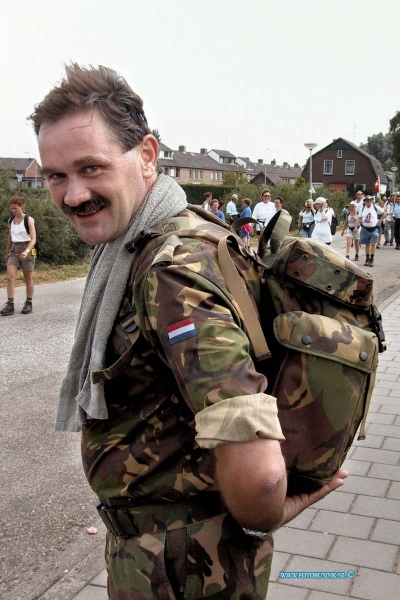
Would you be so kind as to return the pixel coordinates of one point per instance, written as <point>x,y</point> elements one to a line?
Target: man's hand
<point>294,505</point>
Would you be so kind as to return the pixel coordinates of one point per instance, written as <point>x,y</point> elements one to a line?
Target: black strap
<point>123,518</point>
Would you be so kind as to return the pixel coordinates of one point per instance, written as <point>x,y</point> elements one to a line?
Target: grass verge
<point>49,274</point>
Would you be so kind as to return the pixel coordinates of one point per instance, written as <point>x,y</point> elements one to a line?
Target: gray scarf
<point>81,399</point>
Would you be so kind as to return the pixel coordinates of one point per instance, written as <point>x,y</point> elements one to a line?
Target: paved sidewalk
<point>356,528</point>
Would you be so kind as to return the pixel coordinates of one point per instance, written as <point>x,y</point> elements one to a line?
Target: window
<point>350,167</point>
<point>178,173</point>
<point>195,174</point>
<point>201,175</point>
<point>339,154</point>
<point>328,167</point>
<point>316,185</point>
<point>216,176</point>
<point>212,175</point>
<point>190,174</point>
<point>220,175</point>
<point>166,170</point>
<point>172,172</point>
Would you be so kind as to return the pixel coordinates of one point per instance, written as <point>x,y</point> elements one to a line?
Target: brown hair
<point>280,199</point>
<point>17,200</point>
<point>265,190</point>
<point>208,195</point>
<point>247,201</point>
<point>101,89</point>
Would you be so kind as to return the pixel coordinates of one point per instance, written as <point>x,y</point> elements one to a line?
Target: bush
<point>57,243</point>
<point>195,193</point>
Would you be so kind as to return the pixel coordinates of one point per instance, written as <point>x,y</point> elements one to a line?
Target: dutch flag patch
<point>181,331</point>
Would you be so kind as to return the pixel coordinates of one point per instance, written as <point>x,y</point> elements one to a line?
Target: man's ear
<point>149,155</point>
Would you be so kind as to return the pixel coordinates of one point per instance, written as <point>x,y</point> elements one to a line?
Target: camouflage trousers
<point>214,559</point>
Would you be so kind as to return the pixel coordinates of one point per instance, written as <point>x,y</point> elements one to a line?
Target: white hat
<point>353,203</point>
<point>320,200</point>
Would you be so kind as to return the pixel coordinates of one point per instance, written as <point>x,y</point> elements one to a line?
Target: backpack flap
<point>322,373</point>
<point>317,267</point>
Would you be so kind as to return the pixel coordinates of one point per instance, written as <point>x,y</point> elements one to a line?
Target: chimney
<point>285,164</point>
<point>296,166</point>
<point>273,162</point>
<point>182,148</point>
<point>203,150</point>
<point>260,161</point>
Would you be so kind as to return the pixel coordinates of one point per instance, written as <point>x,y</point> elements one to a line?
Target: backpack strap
<point>239,292</point>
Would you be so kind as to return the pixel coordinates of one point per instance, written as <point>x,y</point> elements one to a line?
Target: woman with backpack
<point>351,230</point>
<point>20,254</point>
<point>306,222</point>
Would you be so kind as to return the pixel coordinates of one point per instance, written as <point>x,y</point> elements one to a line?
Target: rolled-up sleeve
<point>239,419</point>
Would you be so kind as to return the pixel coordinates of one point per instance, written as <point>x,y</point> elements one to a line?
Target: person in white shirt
<point>370,218</point>
<point>208,196</point>
<point>232,211</point>
<point>263,211</point>
<point>359,200</point>
<point>388,222</point>
<point>19,255</point>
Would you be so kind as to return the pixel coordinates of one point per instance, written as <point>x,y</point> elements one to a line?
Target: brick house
<point>273,174</point>
<point>342,165</point>
<point>192,167</point>
<point>24,171</point>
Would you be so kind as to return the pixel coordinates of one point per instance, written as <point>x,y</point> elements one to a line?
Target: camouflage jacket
<point>186,384</point>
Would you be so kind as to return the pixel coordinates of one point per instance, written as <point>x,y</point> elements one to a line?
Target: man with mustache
<point>179,440</point>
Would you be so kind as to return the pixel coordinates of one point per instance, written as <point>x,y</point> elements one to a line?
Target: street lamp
<point>265,169</point>
<point>394,169</point>
<point>311,147</point>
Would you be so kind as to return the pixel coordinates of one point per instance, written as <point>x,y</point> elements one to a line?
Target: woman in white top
<point>322,229</point>
<point>20,254</point>
<point>351,230</point>
<point>307,219</point>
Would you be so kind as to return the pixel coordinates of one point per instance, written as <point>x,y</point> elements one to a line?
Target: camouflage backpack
<point>316,335</point>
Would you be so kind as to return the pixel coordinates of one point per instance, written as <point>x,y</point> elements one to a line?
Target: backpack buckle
<point>138,241</point>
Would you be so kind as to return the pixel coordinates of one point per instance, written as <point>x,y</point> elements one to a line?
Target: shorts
<point>354,235</point>
<point>369,235</point>
<point>25,265</point>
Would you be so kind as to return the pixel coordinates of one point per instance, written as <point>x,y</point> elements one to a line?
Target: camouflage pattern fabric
<point>178,350</point>
<point>214,560</point>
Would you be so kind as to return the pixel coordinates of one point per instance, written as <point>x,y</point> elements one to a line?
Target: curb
<point>75,580</point>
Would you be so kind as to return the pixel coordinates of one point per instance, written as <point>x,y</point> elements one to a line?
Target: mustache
<point>95,203</point>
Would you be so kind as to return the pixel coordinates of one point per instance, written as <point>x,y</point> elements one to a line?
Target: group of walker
<point>363,223</point>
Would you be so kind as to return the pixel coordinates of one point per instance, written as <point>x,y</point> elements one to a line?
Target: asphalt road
<point>45,502</point>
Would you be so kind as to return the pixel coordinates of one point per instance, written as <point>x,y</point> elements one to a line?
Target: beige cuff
<point>239,419</point>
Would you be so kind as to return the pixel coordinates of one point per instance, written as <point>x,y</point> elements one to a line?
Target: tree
<point>300,182</point>
<point>234,178</point>
<point>381,147</point>
<point>395,133</point>
<point>156,134</point>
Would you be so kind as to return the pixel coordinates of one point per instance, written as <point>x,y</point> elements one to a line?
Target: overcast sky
<point>258,78</point>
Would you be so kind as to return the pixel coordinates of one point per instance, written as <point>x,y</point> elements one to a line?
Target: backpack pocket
<point>324,373</point>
